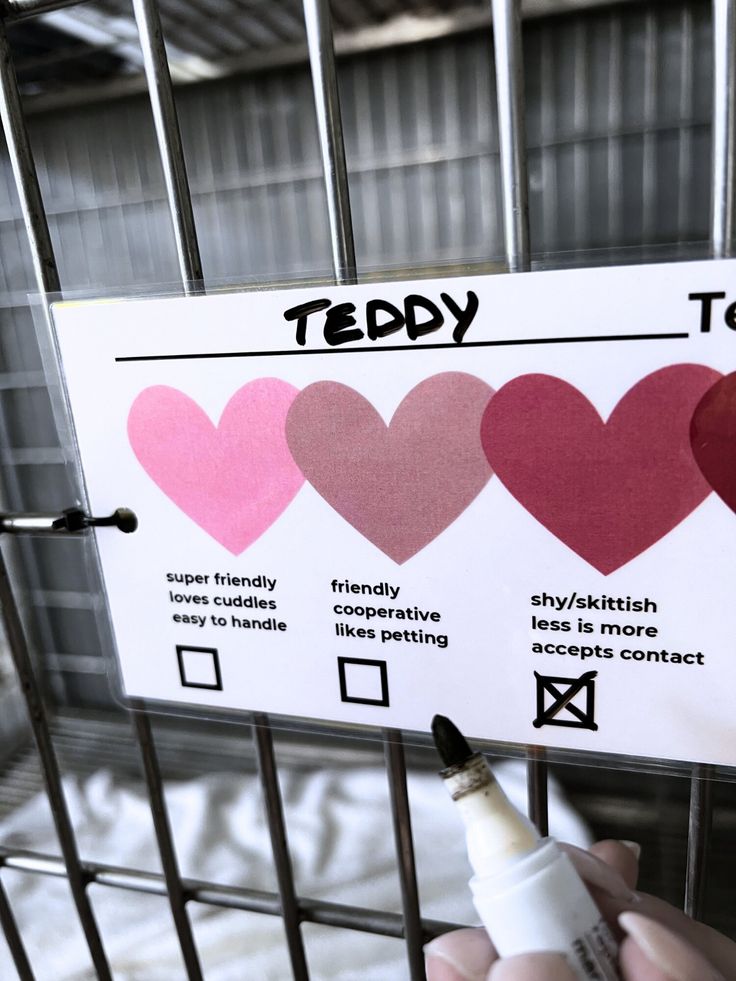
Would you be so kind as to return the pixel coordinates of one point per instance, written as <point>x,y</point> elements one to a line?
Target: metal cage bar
<point>537,787</point>
<point>18,9</point>
<point>51,776</point>
<point>289,906</point>
<point>171,153</point>
<point>511,136</point>
<point>24,170</point>
<point>723,233</point>
<point>332,148</point>
<point>723,209</point>
<point>509,68</point>
<point>401,815</point>
<point>47,278</point>
<point>14,939</point>
<point>47,281</point>
<point>331,142</point>
<point>168,137</point>
<point>178,194</point>
<point>175,892</point>
<point>698,841</point>
<point>319,911</point>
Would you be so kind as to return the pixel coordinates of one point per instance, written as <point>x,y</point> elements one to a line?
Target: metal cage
<point>517,247</point>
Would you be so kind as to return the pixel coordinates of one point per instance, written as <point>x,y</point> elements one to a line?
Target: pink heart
<point>233,480</point>
<point>401,485</point>
<point>608,490</point>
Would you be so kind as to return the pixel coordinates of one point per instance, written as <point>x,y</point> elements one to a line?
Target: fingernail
<point>463,955</point>
<point>597,873</point>
<point>633,846</point>
<point>532,967</point>
<point>666,951</point>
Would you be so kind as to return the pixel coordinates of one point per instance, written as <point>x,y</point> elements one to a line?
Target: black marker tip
<point>450,742</point>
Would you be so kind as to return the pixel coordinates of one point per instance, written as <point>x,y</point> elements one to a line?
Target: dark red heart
<point>608,490</point>
<point>713,438</point>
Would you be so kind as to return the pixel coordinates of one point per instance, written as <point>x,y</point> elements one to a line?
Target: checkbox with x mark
<point>566,701</point>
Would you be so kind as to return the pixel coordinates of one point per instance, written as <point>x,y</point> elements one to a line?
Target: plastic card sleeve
<point>504,498</point>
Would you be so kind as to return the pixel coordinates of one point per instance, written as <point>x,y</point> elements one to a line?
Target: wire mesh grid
<point>284,902</point>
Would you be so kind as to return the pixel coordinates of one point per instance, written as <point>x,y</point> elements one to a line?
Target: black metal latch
<point>69,521</point>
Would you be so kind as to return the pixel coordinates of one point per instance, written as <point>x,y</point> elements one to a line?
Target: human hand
<point>658,942</point>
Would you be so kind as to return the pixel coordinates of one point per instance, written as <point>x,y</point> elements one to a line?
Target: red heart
<point>608,490</point>
<point>713,438</point>
<point>399,485</point>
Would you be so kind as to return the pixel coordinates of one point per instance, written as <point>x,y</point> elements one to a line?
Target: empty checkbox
<point>363,680</point>
<point>199,667</point>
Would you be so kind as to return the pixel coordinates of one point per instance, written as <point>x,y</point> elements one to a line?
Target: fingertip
<point>635,965</point>
<point>438,969</point>
<point>633,846</point>
<point>600,875</point>
<point>462,955</point>
<point>666,955</point>
<point>623,856</point>
<point>532,967</point>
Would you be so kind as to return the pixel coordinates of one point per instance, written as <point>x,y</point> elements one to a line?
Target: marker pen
<point>526,890</point>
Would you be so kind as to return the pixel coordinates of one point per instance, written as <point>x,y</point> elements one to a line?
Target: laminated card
<point>506,499</point>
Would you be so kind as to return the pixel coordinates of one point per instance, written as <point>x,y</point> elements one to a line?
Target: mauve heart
<point>233,480</point>
<point>608,490</point>
<point>400,485</point>
<point>713,438</point>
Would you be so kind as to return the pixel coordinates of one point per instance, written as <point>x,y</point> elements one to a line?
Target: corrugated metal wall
<point>618,106</point>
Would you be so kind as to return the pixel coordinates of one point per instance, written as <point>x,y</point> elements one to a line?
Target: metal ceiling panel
<point>90,51</point>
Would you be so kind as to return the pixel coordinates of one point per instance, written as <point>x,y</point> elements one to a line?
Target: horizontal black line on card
<point>589,339</point>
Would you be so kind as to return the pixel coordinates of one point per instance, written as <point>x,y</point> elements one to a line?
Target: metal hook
<point>69,521</point>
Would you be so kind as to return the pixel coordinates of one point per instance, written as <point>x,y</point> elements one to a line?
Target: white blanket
<point>341,842</point>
